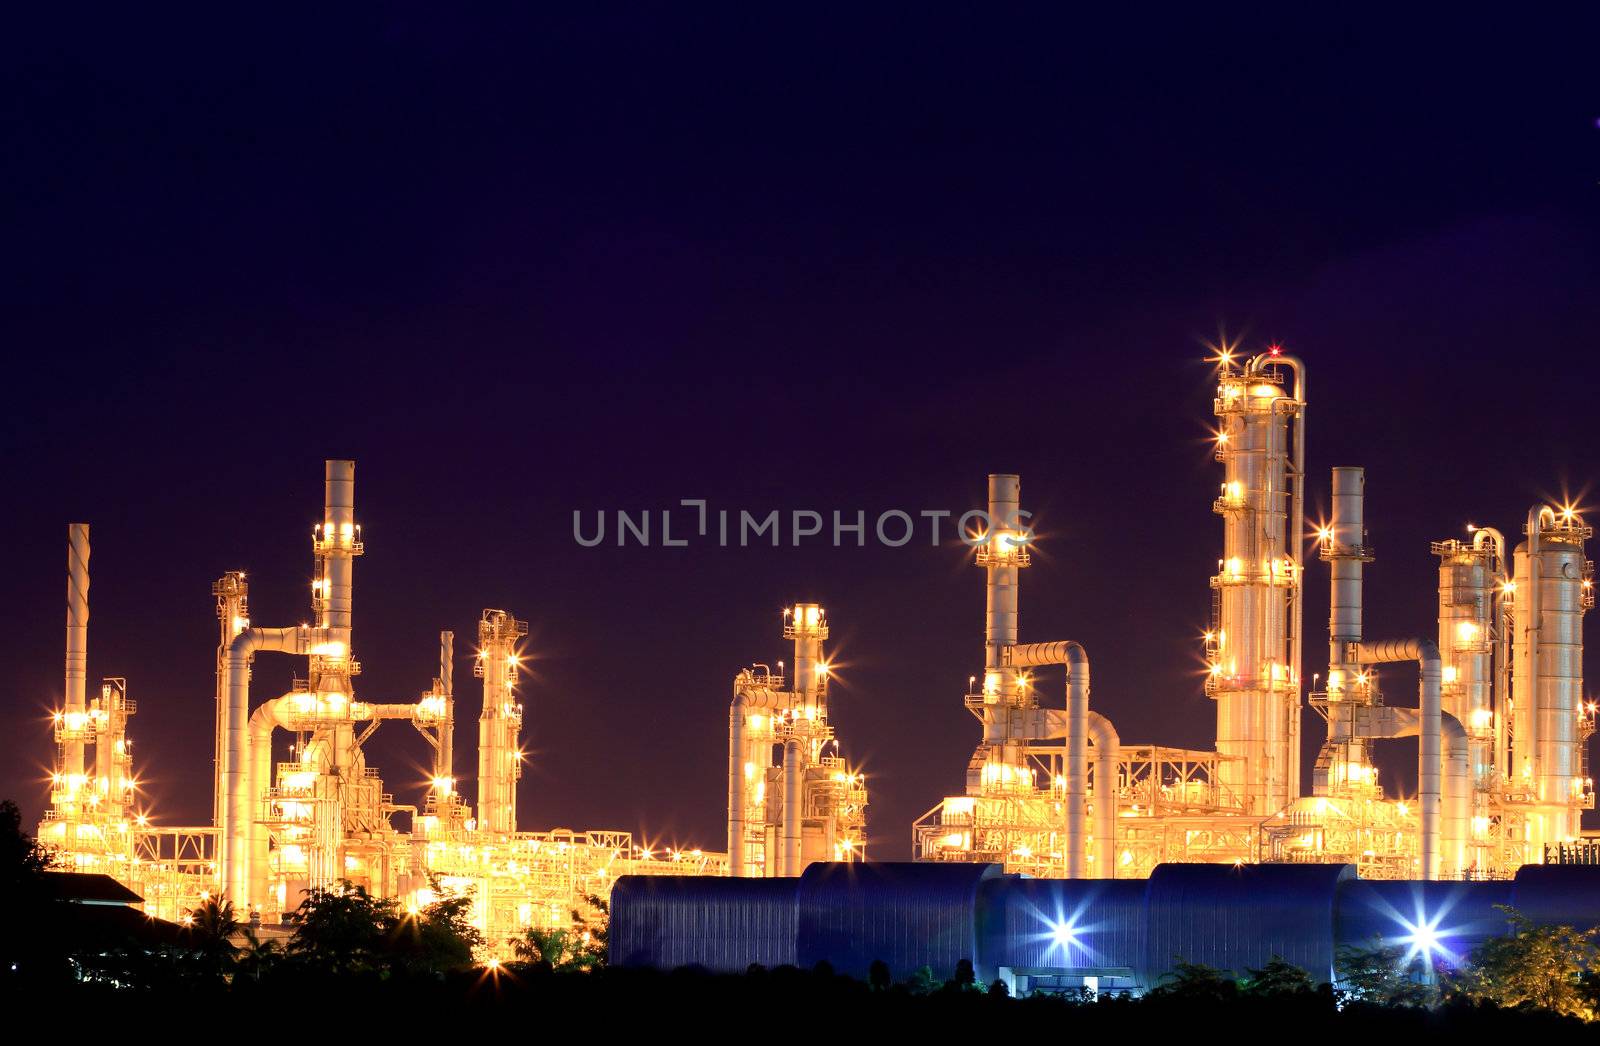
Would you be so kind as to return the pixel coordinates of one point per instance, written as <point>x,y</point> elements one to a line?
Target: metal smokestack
<point>77,663</point>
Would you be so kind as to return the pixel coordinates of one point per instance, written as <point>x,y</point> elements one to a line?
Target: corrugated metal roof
<point>1088,925</point>
<point>719,923</point>
<point>914,915</point>
<point>909,915</point>
<point>1237,917</point>
<point>1568,894</point>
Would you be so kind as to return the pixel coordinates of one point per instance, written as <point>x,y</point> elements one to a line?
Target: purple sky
<point>522,268</point>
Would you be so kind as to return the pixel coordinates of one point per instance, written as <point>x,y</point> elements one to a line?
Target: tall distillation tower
<point>1553,585</point>
<point>787,811</point>
<point>500,725</point>
<point>1254,646</point>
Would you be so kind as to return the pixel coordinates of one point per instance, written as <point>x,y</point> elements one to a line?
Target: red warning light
<point>1275,349</point>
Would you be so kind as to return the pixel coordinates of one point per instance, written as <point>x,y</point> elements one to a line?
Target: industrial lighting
<point>1064,934</point>
<point>1423,939</point>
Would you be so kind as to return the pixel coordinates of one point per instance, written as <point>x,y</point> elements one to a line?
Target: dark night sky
<point>517,266</point>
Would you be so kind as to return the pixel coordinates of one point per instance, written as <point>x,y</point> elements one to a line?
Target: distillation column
<point>500,724</point>
<point>1254,646</point>
<point>1003,552</point>
<point>337,542</point>
<point>805,805</point>
<point>1554,587</point>
<point>1473,643</point>
<point>233,616</point>
<point>1344,767</point>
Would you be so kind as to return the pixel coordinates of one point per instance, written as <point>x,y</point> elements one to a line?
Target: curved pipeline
<point>1425,652</point>
<point>1107,748</point>
<point>236,690</point>
<point>1297,531</point>
<point>1071,653</point>
<point>263,720</point>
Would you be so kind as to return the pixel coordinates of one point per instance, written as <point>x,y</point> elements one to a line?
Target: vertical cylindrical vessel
<point>1466,644</point>
<point>339,540</point>
<point>233,616</point>
<point>500,724</point>
<point>1345,763</point>
<point>808,628</point>
<point>1346,555</point>
<point>1000,624</point>
<point>1552,579</point>
<point>77,660</point>
<point>1253,672</point>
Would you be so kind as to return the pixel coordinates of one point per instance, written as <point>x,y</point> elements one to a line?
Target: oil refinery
<point>1502,725</point>
<point>1077,862</point>
<point>1051,792</point>
<point>324,816</point>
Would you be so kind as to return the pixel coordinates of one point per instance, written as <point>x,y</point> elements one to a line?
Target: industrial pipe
<point>1107,751</point>
<point>447,725</point>
<point>1297,528</point>
<point>77,660</point>
<point>1072,654</point>
<point>1457,793</point>
<point>793,814</point>
<point>1500,693</point>
<point>236,825</point>
<point>263,720</point>
<point>1425,652</point>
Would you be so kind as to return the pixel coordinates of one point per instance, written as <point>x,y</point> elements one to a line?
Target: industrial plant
<point>1075,861</point>
<point>1053,792</point>
<point>1500,716</point>
<point>323,816</point>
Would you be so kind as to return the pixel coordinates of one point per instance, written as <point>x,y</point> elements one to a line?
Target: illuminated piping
<point>241,802</point>
<point>793,791</point>
<point>1425,652</point>
<point>1297,528</point>
<point>1107,753</point>
<point>1072,654</point>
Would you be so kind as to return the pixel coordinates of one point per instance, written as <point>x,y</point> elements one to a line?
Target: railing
<point>1581,851</point>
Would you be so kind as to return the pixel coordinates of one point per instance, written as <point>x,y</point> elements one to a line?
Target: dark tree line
<point>346,939</point>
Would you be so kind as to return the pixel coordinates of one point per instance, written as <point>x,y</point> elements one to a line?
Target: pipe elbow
<point>1067,652</point>
<point>295,639</point>
<point>268,716</point>
<point>1423,651</point>
<point>1102,733</point>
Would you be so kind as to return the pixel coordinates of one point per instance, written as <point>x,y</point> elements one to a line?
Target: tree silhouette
<point>32,948</point>
<point>209,932</point>
<point>344,930</point>
<point>1195,982</point>
<point>1539,967</point>
<point>1382,975</point>
<point>1278,978</point>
